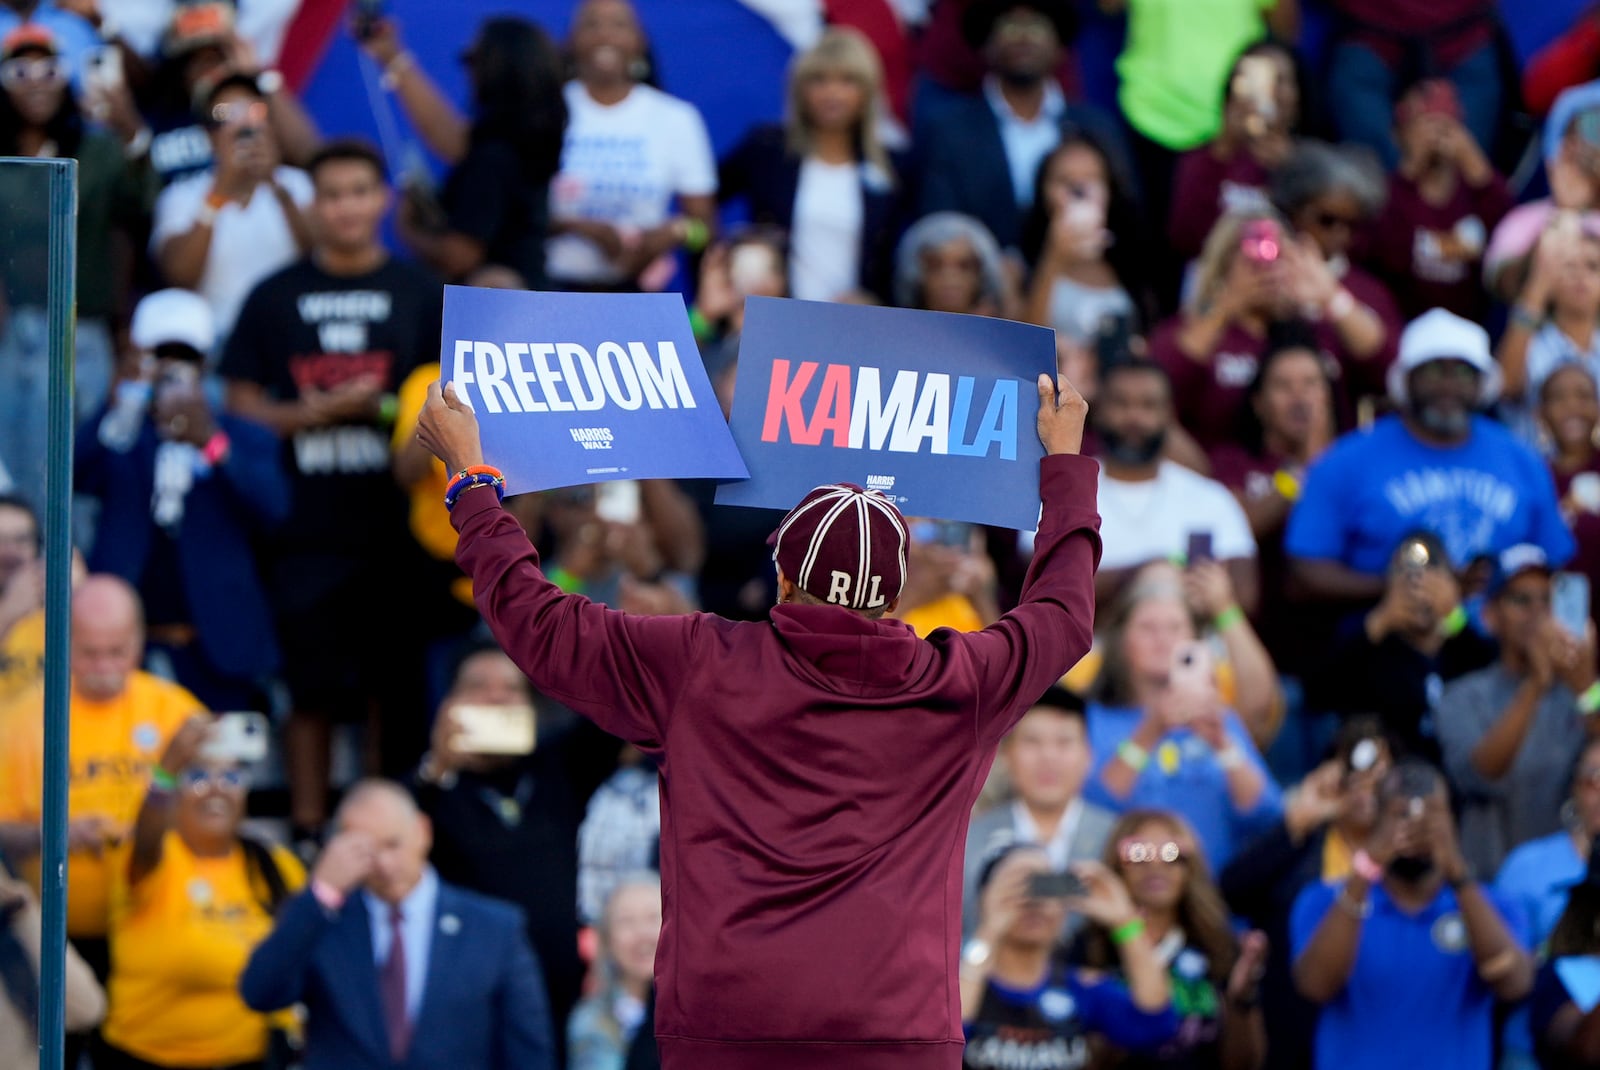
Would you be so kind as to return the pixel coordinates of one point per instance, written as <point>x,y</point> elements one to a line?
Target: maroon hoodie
<point>818,772</point>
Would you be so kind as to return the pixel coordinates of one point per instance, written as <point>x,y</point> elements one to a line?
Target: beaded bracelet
<point>479,475</point>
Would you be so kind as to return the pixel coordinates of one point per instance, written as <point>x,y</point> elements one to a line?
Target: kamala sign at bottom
<point>581,388</point>
<point>934,410</point>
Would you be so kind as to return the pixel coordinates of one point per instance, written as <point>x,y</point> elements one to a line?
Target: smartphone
<point>752,267</point>
<point>368,13</point>
<point>496,730</point>
<point>951,533</point>
<point>1192,669</point>
<point>178,380</point>
<point>1414,557</point>
<point>1200,547</point>
<point>1256,82</point>
<point>238,737</point>
<point>102,70</point>
<point>1363,756</point>
<point>1056,886</point>
<point>1569,602</point>
<point>1261,241</point>
<point>618,501</point>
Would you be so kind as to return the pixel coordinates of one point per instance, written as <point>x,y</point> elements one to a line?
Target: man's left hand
<point>449,429</point>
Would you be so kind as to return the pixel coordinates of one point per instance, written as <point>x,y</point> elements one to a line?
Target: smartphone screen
<point>238,737</point>
<point>498,730</point>
<point>1055,886</point>
<point>1569,602</point>
<point>1199,548</point>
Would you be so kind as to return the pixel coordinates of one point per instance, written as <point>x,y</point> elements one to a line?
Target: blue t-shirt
<point>1047,1027</point>
<point>1535,879</point>
<point>1184,776</point>
<point>1373,488</point>
<point>1414,998</point>
<point>72,32</point>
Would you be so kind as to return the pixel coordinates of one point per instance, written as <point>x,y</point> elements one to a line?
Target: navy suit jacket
<point>224,514</point>
<point>763,171</point>
<point>483,1006</point>
<point>964,166</point>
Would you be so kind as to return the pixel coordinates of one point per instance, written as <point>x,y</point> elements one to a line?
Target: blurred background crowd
<point>1328,272</point>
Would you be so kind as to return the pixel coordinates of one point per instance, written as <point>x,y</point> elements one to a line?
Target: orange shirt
<point>180,938</point>
<point>112,747</point>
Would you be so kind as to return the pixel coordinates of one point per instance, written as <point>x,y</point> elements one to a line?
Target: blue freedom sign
<point>937,411</point>
<point>583,388</point>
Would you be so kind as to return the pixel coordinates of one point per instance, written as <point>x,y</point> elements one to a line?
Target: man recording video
<point>818,768</point>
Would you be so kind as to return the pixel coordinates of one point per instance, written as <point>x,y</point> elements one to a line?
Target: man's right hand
<point>346,862</point>
<point>1062,412</point>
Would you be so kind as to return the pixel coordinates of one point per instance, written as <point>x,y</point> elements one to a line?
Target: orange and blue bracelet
<point>479,475</point>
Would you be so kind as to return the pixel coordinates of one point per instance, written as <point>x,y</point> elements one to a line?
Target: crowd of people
<point>1338,324</point>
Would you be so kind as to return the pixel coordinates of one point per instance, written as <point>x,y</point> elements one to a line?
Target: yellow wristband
<point>1286,484</point>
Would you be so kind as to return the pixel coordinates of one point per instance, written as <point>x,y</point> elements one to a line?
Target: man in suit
<point>395,967</point>
<point>1047,759</point>
<point>982,154</point>
<point>184,492</point>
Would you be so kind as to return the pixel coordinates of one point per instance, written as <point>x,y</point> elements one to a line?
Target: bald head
<point>387,815</point>
<point>107,637</point>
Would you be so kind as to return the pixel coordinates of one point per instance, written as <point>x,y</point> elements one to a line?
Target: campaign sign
<point>584,388</point>
<point>937,411</point>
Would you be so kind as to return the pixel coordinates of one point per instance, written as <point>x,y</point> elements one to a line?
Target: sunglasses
<point>238,113</point>
<point>1140,851</point>
<point>23,71</point>
<point>200,781</point>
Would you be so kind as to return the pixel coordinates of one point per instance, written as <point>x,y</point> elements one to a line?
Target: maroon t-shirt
<point>1385,26</point>
<point>1406,246</point>
<point>1586,530</point>
<point>1205,188</point>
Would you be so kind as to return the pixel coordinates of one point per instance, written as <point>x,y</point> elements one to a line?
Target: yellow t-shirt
<point>180,938</point>
<point>112,748</point>
<point>950,611</point>
<point>22,656</point>
<point>430,520</point>
<point>1337,858</point>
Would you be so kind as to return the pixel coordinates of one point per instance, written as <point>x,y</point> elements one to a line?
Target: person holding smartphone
<point>1509,731</point>
<point>1409,954</point>
<point>1016,996</point>
<point>1215,975</point>
<point>191,898</point>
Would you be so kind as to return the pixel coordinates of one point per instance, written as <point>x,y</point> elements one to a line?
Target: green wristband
<point>162,780</point>
<point>696,235</point>
<point>1133,756</point>
<point>1128,930</point>
<point>388,410</point>
<point>1453,624</point>
<point>703,331</point>
<point>1228,617</point>
<point>1589,701</point>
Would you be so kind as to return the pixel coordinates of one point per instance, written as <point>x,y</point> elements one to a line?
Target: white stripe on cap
<point>841,502</point>
<point>858,599</point>
<point>880,503</point>
<point>797,513</point>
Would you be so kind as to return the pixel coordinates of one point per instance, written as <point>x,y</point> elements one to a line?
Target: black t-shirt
<point>304,329</point>
<point>1042,1029</point>
<point>1198,1005</point>
<point>490,199</point>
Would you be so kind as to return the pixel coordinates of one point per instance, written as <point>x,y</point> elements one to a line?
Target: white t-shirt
<point>1153,519</point>
<point>248,242</point>
<point>623,164</point>
<point>825,242</point>
<point>1078,311</point>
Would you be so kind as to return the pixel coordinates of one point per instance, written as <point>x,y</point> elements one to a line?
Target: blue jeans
<point>1362,88</point>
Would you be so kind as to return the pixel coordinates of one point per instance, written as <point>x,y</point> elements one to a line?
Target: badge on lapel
<point>449,924</point>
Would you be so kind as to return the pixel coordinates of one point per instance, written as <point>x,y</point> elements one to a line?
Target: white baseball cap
<point>174,316</point>
<point>1442,335</point>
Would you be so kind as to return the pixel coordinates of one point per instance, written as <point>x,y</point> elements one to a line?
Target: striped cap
<point>844,545</point>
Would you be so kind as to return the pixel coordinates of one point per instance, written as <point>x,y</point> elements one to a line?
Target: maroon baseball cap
<point>844,545</point>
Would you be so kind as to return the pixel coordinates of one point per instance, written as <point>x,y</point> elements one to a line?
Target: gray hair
<point>942,228</point>
<point>1316,169</point>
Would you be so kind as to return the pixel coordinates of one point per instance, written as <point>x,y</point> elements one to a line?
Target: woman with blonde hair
<point>824,174</point>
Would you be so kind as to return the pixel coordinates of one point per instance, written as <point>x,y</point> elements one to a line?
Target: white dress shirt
<point>417,912</point>
<point>1027,141</point>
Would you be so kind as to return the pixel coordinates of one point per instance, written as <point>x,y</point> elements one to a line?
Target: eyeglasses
<point>238,113</point>
<point>41,70</point>
<point>200,781</point>
<point>1140,851</point>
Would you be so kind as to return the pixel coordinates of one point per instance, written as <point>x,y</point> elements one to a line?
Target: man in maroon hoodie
<point>818,769</point>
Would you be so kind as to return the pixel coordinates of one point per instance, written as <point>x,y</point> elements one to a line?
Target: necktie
<point>392,990</point>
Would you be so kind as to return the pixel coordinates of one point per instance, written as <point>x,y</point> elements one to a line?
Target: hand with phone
<point>1105,899</point>
<point>180,410</point>
<point>183,749</point>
